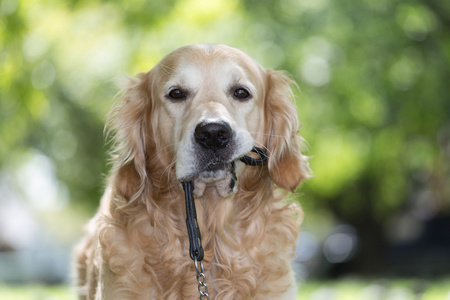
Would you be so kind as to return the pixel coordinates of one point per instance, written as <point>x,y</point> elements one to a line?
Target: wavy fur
<point>137,244</point>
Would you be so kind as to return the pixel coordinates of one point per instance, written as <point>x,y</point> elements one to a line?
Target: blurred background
<point>374,102</point>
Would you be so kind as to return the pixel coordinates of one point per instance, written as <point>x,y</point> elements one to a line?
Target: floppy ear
<point>287,166</point>
<point>129,120</point>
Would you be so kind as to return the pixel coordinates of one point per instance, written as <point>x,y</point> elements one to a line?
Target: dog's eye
<point>241,94</point>
<point>177,94</point>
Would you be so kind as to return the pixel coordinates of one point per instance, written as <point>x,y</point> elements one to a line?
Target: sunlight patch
<point>198,12</point>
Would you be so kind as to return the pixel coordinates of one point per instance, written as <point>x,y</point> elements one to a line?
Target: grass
<point>36,292</point>
<point>380,289</point>
<point>347,289</point>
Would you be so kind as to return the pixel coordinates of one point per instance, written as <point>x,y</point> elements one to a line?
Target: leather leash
<point>195,240</point>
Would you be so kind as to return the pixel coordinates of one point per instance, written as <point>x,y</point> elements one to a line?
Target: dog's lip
<point>217,165</point>
<point>212,171</point>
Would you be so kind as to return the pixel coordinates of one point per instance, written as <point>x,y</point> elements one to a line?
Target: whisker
<point>162,149</point>
<point>265,134</point>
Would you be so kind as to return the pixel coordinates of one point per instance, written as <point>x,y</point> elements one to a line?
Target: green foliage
<point>373,77</point>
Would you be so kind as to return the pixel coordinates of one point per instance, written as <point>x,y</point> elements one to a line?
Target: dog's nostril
<point>213,135</point>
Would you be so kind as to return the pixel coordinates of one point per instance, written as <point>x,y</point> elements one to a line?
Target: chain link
<point>201,279</point>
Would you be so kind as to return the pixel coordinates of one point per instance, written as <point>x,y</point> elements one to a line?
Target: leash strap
<point>195,239</point>
<point>250,161</point>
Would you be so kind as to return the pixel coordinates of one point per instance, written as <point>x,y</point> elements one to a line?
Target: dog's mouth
<point>222,175</point>
<point>219,175</point>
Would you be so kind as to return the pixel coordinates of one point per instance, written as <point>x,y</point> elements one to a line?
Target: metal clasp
<point>201,279</point>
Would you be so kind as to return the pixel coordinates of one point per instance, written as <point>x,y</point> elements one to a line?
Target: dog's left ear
<point>287,166</point>
<point>129,120</point>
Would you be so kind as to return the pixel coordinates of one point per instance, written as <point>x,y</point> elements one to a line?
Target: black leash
<point>250,161</point>
<point>195,240</point>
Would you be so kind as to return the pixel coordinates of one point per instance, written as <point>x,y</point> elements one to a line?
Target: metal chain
<point>201,278</point>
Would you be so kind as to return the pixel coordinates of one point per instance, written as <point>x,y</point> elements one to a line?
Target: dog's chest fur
<point>240,255</point>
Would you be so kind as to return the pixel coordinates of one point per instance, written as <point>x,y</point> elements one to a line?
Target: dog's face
<point>207,106</point>
<point>210,101</point>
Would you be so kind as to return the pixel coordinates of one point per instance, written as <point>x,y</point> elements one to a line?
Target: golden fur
<point>137,245</point>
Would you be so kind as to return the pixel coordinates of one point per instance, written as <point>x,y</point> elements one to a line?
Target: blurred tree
<point>373,76</point>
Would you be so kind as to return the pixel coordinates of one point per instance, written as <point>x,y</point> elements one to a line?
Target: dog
<point>190,119</point>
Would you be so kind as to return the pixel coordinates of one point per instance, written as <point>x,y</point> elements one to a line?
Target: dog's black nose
<point>213,136</point>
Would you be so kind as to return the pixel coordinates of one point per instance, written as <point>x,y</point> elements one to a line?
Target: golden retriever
<point>191,118</point>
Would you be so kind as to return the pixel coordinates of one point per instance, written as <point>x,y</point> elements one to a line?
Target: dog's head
<point>198,111</point>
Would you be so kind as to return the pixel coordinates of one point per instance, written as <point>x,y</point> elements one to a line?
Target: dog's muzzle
<point>216,151</point>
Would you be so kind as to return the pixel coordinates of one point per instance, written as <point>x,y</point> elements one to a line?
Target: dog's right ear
<point>287,165</point>
<point>129,122</point>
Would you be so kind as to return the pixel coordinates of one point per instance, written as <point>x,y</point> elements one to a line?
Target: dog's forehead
<point>198,63</point>
<point>194,73</point>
